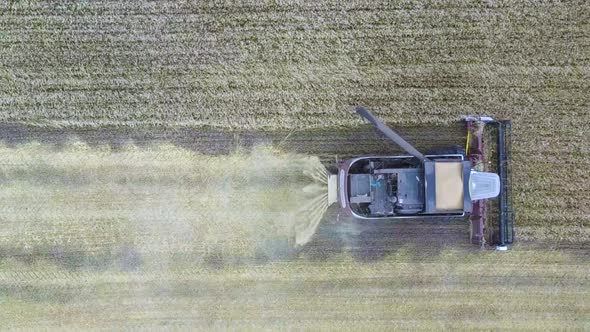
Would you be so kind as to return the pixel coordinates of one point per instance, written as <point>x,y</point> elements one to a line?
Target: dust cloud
<point>158,206</point>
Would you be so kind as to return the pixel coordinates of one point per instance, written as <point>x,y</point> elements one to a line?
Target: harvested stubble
<point>519,290</point>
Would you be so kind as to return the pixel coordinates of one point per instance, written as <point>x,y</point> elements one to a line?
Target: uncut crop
<point>253,64</point>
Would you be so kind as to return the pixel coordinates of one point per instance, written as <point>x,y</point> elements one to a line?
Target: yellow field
<point>143,225</point>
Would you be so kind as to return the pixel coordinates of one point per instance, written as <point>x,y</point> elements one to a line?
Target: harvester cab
<point>417,186</point>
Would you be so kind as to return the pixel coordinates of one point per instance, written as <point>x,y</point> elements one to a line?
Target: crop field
<point>159,159</point>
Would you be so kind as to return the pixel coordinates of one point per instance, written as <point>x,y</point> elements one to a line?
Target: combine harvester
<point>439,185</point>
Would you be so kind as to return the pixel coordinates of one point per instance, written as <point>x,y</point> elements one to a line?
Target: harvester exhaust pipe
<point>392,135</point>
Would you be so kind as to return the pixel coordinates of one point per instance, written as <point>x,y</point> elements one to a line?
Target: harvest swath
<point>213,78</point>
<point>81,206</point>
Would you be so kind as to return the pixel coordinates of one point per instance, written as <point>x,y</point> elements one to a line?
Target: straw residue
<point>156,205</point>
